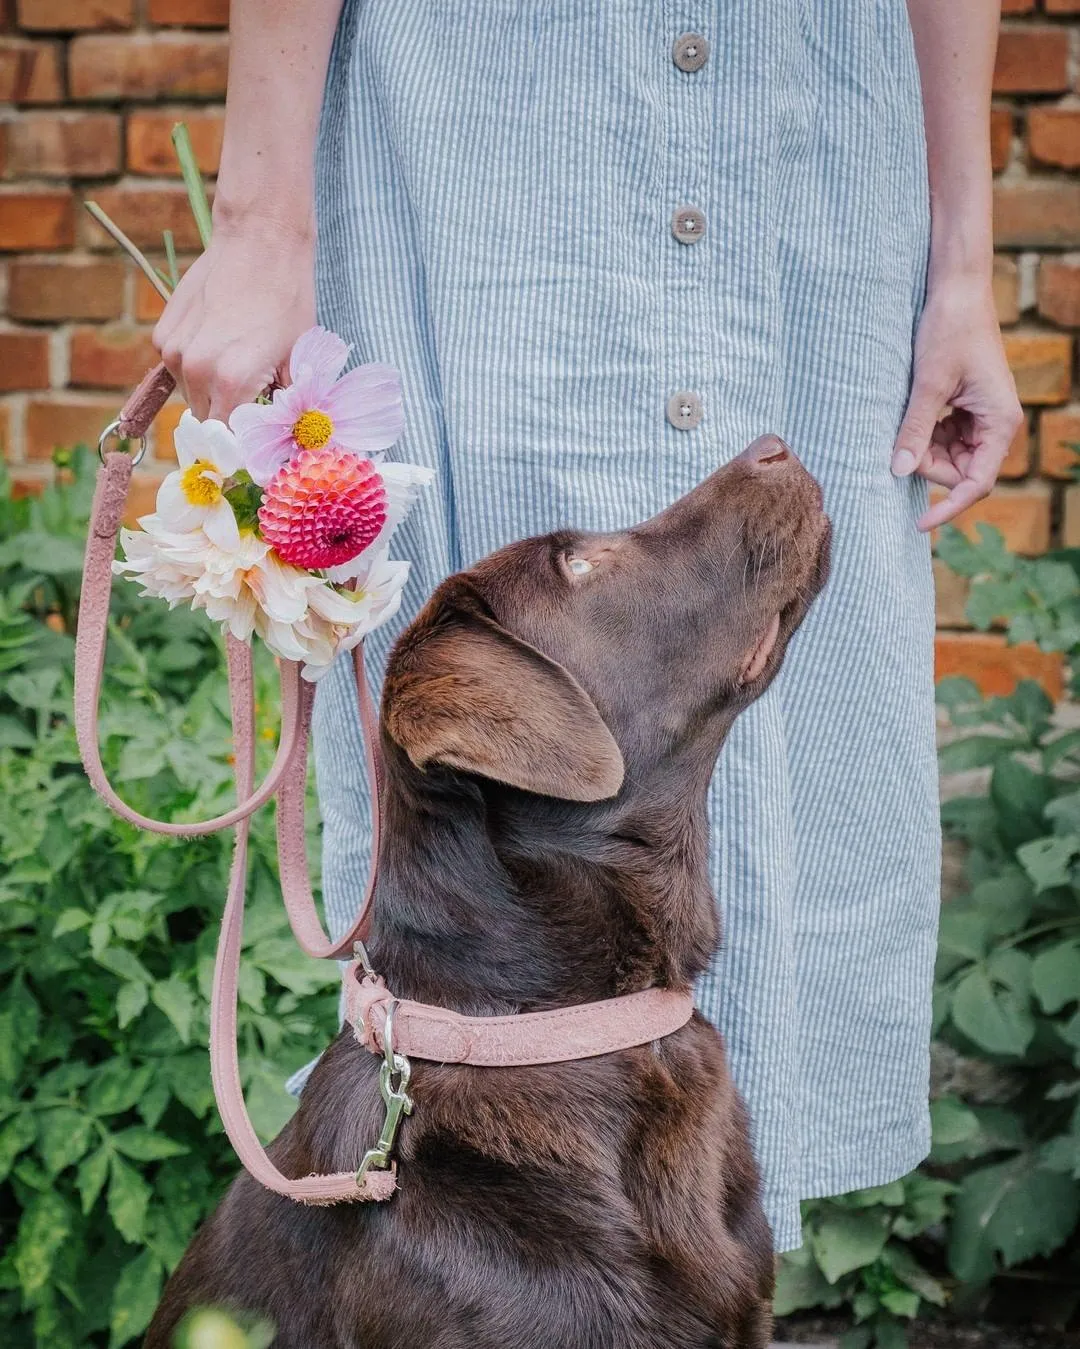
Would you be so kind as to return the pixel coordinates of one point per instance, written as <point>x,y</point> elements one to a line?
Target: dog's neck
<point>491,900</point>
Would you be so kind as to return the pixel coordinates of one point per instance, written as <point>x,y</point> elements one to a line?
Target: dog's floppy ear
<point>471,695</point>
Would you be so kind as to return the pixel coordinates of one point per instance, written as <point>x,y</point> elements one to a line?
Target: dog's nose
<point>767,451</point>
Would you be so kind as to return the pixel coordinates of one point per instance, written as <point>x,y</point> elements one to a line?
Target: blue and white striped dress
<point>496,187</point>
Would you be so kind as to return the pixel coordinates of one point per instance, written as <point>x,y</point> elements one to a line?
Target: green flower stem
<point>200,207</point>
<point>170,255</point>
<point>135,253</point>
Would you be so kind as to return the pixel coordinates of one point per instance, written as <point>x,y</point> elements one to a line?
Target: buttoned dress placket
<point>689,363</point>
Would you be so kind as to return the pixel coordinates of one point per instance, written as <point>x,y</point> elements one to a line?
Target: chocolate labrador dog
<point>551,721</point>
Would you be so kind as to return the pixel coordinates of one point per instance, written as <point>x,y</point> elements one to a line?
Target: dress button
<point>690,51</point>
<point>684,409</point>
<point>687,224</point>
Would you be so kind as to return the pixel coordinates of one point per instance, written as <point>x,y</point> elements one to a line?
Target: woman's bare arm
<point>955,44</point>
<point>959,358</point>
<point>227,329</point>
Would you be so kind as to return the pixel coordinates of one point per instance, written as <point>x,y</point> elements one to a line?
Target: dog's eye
<point>580,566</point>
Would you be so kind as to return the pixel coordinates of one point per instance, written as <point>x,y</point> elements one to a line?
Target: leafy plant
<point>856,1252</point>
<point>1007,996</point>
<point>110,1147</point>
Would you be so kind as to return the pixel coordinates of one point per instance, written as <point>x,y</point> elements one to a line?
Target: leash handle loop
<point>106,513</point>
<point>286,778</point>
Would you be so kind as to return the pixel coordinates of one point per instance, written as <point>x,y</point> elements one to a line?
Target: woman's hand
<point>229,326</point>
<point>959,360</point>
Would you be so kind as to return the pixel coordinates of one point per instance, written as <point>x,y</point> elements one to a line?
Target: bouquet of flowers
<point>280,522</point>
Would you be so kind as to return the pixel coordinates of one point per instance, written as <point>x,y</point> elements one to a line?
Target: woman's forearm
<point>278,55</point>
<point>955,41</point>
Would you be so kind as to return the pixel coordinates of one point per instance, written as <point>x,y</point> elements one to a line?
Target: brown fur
<point>548,741</point>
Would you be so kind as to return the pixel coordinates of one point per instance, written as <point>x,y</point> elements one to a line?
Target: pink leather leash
<point>419,1030</point>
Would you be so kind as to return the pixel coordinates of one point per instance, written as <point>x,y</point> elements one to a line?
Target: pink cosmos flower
<point>360,412</point>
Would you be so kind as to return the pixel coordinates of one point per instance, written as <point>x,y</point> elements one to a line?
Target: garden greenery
<point>111,1152</point>
<point>110,1147</point>
<point>1002,1186</point>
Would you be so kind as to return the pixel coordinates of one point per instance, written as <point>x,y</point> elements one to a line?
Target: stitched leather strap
<point>145,402</point>
<point>521,1040</point>
<point>224,1054</point>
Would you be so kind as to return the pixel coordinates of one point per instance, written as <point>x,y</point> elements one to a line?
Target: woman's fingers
<point>980,444</point>
<point>229,326</point>
<point>912,445</point>
<point>239,375</point>
<point>976,483</point>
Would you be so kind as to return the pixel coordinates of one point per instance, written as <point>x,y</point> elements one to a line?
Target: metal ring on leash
<point>113,429</point>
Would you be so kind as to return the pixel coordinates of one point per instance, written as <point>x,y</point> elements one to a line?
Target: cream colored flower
<point>300,616</point>
<point>193,496</point>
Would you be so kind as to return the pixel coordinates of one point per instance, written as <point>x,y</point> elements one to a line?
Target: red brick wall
<point>89,90</point>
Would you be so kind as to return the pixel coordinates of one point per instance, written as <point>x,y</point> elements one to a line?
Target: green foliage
<point>856,1253</point>
<point>1009,988</point>
<point>1007,996</point>
<point>110,1147</point>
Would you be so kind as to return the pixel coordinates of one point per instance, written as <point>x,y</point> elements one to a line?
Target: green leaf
<point>847,1239</point>
<point>926,1206</point>
<point>135,1298</point>
<point>245,497</point>
<point>70,921</point>
<point>90,1177</point>
<point>44,1227</point>
<point>1062,1154</point>
<point>952,1121</point>
<point>1063,746</point>
<point>1055,976</point>
<point>177,1000</point>
<point>16,1134</point>
<point>996,1020</point>
<point>1021,796</point>
<point>64,1136</point>
<point>124,963</point>
<point>154,1101</point>
<point>1016,1208</point>
<point>1003,900</point>
<point>908,1270</point>
<point>1064,813</point>
<point>19,1022</point>
<point>189,1078</point>
<point>1047,860</point>
<point>128,1197</point>
<point>800,1284</point>
<point>901,1302</point>
<point>144,1145</point>
<point>1057,583</point>
<point>116,1086</point>
<point>975,751</point>
<point>963,931</point>
<point>130,1001</point>
<point>891,1195</point>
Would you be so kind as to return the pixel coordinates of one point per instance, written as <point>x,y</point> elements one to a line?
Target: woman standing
<point>607,244</point>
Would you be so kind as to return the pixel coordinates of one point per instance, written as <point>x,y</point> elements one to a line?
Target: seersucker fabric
<point>604,257</point>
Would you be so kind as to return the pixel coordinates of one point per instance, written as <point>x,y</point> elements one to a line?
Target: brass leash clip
<point>396,1099</point>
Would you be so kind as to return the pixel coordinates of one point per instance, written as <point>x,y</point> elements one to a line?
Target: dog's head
<point>568,664</point>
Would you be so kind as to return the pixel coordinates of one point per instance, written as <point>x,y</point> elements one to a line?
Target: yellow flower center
<point>198,486</point>
<point>312,429</point>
